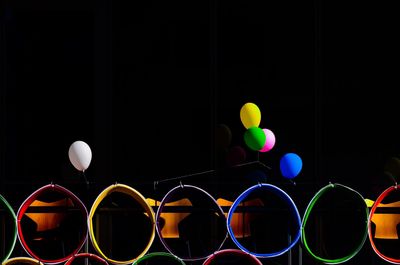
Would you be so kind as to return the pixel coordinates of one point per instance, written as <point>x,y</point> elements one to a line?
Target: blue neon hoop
<point>281,194</point>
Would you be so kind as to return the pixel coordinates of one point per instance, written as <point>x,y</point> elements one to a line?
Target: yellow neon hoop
<point>137,197</point>
<point>25,260</point>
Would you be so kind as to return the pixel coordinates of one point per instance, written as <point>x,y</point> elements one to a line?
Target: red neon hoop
<point>373,209</point>
<point>89,256</point>
<point>22,212</point>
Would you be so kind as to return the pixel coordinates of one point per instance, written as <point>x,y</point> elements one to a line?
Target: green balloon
<point>255,138</point>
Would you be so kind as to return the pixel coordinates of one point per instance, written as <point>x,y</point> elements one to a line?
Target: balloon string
<point>252,163</point>
<point>185,176</point>
<point>208,171</point>
<point>292,182</point>
<point>85,178</point>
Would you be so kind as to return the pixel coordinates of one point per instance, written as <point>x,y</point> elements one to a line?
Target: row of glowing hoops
<point>231,253</point>
<point>155,228</point>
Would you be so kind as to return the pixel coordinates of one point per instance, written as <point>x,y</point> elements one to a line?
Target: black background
<point>146,83</point>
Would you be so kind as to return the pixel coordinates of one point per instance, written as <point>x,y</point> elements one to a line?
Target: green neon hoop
<point>159,254</point>
<point>11,212</point>
<point>309,209</point>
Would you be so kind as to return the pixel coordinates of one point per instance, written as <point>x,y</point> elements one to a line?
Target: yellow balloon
<point>250,115</point>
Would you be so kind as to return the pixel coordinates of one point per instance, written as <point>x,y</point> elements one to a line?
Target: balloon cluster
<point>256,138</point>
<point>263,140</point>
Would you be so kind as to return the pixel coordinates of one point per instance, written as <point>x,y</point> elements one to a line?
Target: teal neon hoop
<point>11,212</point>
<point>309,209</point>
<point>159,254</point>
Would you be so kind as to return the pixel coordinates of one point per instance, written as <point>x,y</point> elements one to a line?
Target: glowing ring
<point>25,260</point>
<point>88,256</point>
<point>280,193</point>
<point>161,207</point>
<point>135,195</point>
<point>158,254</point>
<point>377,202</point>
<point>233,252</point>
<point>10,210</point>
<point>307,214</point>
<point>26,204</point>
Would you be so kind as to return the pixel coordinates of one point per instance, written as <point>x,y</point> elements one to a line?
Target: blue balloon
<point>290,165</point>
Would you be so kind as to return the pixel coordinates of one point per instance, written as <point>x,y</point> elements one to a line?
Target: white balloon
<point>80,155</point>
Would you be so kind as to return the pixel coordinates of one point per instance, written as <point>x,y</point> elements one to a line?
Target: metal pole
<point>290,250</point>
<point>300,255</point>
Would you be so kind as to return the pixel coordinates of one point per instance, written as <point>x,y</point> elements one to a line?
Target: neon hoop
<point>89,256</point>
<point>23,260</point>
<point>308,211</point>
<point>372,212</point>
<point>281,194</point>
<point>218,213</point>
<point>157,255</point>
<point>235,253</point>
<point>22,212</point>
<point>10,211</point>
<point>135,195</point>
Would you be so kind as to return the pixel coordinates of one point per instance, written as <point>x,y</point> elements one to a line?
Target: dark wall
<point>146,83</point>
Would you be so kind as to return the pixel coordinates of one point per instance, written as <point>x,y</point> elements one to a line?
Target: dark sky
<point>146,83</point>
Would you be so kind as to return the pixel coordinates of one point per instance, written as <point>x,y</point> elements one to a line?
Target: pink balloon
<point>269,142</point>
